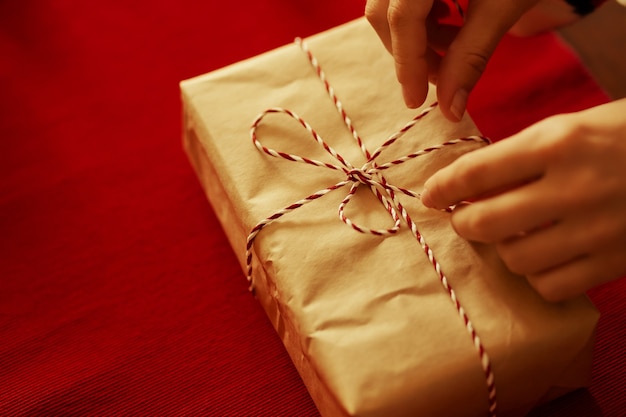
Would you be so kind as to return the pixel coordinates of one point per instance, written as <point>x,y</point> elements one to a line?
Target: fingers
<point>507,215</point>
<point>561,259</point>
<point>581,274</point>
<point>469,53</point>
<point>409,29</point>
<point>409,44</point>
<point>582,233</point>
<point>485,171</point>
<point>376,14</point>
<point>403,31</point>
<point>547,247</point>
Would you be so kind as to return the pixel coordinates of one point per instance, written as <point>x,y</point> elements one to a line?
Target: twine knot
<point>362,175</point>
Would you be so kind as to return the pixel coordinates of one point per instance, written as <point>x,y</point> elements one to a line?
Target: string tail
<point>482,353</point>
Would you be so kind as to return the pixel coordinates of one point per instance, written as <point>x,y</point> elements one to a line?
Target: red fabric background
<point>118,291</point>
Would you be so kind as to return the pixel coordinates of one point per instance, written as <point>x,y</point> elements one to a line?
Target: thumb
<point>469,52</point>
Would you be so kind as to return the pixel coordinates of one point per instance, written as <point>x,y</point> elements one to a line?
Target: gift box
<point>383,309</point>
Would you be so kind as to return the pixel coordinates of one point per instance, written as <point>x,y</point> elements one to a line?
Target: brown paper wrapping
<point>365,318</point>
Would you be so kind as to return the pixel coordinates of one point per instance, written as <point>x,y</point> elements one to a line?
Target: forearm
<point>583,7</point>
<point>552,14</point>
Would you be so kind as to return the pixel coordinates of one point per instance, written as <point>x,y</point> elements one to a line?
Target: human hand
<point>552,198</point>
<point>546,15</point>
<point>410,31</point>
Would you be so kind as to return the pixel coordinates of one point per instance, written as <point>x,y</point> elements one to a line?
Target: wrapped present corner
<point>413,322</point>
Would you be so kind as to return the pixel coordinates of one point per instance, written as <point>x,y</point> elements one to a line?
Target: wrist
<point>584,7</point>
<point>545,16</point>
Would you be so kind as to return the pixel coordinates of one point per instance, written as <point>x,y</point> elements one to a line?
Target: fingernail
<point>409,100</point>
<point>458,104</point>
<point>425,197</point>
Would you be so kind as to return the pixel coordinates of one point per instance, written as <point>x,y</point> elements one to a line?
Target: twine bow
<point>370,174</point>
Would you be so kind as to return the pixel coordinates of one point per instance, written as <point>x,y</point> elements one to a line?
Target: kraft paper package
<point>368,320</point>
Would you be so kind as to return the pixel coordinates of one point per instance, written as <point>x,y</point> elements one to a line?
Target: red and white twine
<point>369,174</point>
